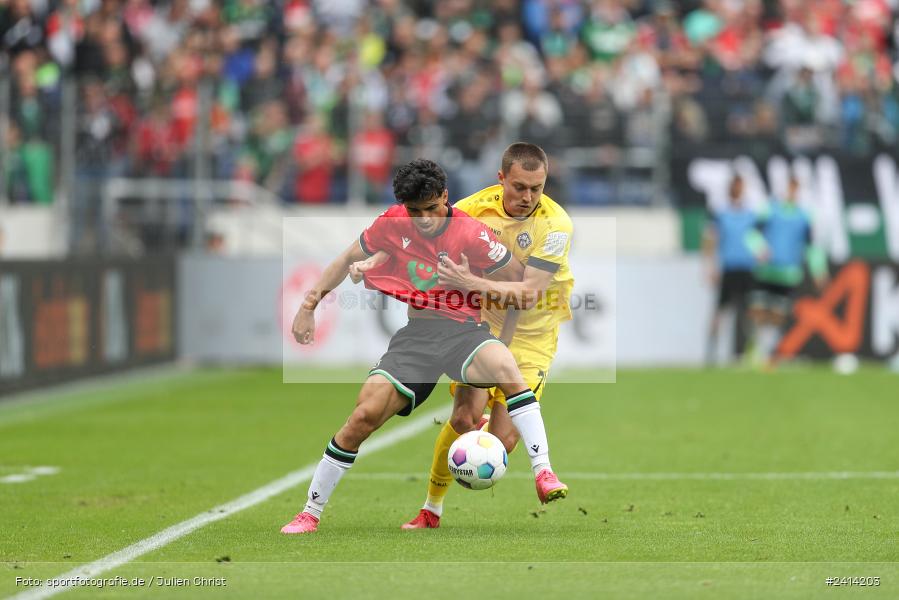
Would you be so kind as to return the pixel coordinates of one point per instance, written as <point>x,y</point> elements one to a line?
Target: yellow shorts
<point>534,356</point>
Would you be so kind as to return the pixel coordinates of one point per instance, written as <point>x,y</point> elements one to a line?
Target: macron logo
<point>315,495</point>
<point>406,242</point>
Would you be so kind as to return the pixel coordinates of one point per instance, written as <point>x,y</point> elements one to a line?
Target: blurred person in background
<point>802,114</point>
<point>154,149</point>
<point>608,30</point>
<point>165,29</point>
<point>28,169</point>
<point>266,154</point>
<point>532,113</point>
<point>373,148</point>
<point>101,139</point>
<point>729,261</point>
<point>264,86</point>
<point>471,126</point>
<point>781,243</point>
<point>20,28</point>
<point>295,52</point>
<point>315,155</point>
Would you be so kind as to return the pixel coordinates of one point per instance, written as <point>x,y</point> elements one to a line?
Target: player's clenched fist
<point>358,268</point>
<point>304,327</point>
<point>304,322</point>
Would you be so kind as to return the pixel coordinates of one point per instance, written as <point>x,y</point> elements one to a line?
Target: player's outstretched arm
<point>304,322</point>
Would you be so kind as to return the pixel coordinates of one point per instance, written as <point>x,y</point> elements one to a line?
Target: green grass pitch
<point>684,484</point>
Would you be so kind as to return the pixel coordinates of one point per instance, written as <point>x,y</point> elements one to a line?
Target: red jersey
<point>410,275</point>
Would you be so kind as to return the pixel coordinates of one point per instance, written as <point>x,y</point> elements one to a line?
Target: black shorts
<point>734,287</point>
<point>772,296</point>
<point>425,349</point>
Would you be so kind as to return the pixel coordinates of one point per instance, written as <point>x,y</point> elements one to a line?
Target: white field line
<point>28,474</point>
<point>808,475</point>
<point>257,496</point>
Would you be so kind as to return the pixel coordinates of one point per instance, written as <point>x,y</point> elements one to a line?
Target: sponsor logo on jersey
<point>524,240</point>
<point>555,243</point>
<point>497,251</point>
<point>406,242</point>
<point>422,276</point>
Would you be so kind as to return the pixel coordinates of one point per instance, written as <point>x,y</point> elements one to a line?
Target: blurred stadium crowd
<point>296,94</point>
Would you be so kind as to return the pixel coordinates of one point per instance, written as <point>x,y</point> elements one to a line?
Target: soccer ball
<point>477,460</point>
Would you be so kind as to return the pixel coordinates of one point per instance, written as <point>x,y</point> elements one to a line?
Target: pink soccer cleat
<point>302,523</point>
<point>549,487</point>
<point>483,423</point>
<point>425,520</point>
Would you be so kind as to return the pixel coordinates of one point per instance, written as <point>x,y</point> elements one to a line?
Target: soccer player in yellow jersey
<point>538,231</point>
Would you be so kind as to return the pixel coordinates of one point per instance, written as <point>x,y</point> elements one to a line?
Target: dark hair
<point>529,156</point>
<point>419,180</point>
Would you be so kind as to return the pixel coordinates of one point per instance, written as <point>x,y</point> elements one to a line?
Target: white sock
<point>335,462</point>
<point>525,413</point>
<point>434,507</point>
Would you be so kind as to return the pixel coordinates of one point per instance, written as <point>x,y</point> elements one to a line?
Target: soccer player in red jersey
<point>444,333</point>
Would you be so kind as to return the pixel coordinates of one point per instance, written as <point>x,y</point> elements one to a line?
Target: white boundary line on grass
<point>257,496</point>
<point>808,475</point>
<point>26,474</point>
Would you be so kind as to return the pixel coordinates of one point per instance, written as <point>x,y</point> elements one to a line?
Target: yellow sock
<point>440,479</point>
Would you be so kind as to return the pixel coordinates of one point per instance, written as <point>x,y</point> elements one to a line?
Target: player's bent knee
<point>503,373</point>
<point>464,421</point>
<point>508,372</point>
<point>368,414</point>
<point>493,363</point>
<point>363,422</point>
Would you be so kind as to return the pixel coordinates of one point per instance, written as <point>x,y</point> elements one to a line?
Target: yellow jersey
<point>542,241</point>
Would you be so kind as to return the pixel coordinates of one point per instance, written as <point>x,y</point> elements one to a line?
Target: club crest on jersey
<point>422,276</point>
<point>524,240</point>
